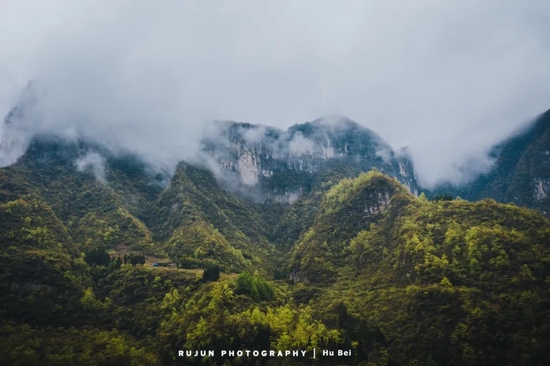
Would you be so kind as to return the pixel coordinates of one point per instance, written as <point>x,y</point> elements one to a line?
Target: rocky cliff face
<point>284,163</point>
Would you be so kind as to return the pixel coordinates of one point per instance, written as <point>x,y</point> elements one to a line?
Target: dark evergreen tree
<point>98,257</point>
<point>211,273</point>
<point>118,263</point>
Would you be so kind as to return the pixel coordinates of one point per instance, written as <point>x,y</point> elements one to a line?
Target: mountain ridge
<point>367,267</point>
<point>256,156</point>
<point>105,260</point>
<point>520,173</point>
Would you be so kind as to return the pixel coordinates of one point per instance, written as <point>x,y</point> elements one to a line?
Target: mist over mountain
<point>97,249</point>
<point>283,164</point>
<point>274,183</point>
<point>520,172</point>
<point>447,80</point>
<point>309,237</point>
<point>265,162</point>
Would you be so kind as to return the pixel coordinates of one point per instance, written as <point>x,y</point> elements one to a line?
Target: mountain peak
<point>374,185</point>
<point>258,155</point>
<point>336,121</point>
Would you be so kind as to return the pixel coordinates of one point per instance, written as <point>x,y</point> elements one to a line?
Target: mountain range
<point>314,237</point>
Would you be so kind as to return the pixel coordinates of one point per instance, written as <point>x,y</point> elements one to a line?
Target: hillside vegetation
<point>355,263</point>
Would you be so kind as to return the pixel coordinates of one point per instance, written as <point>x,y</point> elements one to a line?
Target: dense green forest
<point>131,271</point>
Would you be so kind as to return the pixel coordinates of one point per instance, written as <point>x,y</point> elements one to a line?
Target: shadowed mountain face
<point>521,172</point>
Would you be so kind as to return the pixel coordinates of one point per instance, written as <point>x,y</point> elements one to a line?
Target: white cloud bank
<point>446,78</point>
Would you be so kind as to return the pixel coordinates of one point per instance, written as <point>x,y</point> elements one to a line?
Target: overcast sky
<point>446,78</point>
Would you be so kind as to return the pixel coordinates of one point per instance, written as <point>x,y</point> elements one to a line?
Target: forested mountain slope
<point>309,238</point>
<point>452,282</point>
<point>398,279</point>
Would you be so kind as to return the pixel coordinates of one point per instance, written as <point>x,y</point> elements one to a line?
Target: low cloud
<point>300,145</point>
<point>254,135</point>
<point>447,79</point>
<point>93,162</point>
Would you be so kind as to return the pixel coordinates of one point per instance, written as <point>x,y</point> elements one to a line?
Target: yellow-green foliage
<point>207,315</point>
<point>398,279</point>
<point>199,243</point>
<point>195,198</point>
<point>349,189</point>
<point>29,223</point>
<point>117,227</point>
<point>347,208</point>
<point>255,286</point>
<point>292,327</point>
<point>23,345</point>
<point>446,270</point>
